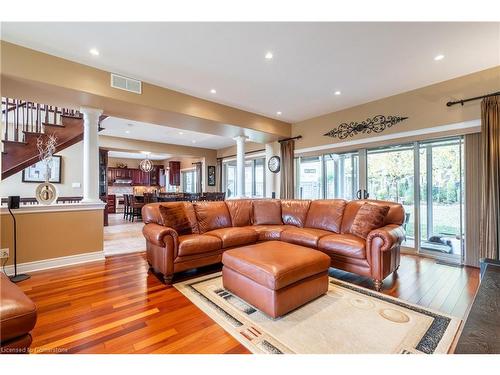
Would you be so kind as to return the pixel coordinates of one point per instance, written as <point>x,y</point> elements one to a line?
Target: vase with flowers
<point>46,193</point>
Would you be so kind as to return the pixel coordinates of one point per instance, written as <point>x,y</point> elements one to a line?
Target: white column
<point>90,154</point>
<point>240,165</point>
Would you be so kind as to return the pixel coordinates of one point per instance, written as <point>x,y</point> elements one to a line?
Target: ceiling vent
<point>127,84</point>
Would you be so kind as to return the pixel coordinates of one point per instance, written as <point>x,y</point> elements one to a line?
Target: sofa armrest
<point>156,233</point>
<point>391,235</point>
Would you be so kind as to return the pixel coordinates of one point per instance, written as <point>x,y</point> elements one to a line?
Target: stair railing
<point>20,117</point>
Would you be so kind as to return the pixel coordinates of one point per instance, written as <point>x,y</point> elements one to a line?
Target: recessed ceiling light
<point>213,91</point>
<point>278,113</point>
<point>438,57</point>
<point>337,92</point>
<point>94,52</point>
<point>194,141</point>
<point>181,133</point>
<point>127,131</point>
<point>269,56</point>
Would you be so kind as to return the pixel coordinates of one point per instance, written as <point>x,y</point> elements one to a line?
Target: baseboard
<point>45,264</point>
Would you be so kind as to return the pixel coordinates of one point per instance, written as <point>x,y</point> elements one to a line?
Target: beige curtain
<point>287,189</point>
<point>473,196</point>
<point>490,202</point>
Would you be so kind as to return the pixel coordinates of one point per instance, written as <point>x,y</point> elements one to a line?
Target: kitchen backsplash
<point>120,190</point>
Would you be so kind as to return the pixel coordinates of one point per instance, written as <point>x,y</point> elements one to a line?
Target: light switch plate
<point>76,185</point>
<point>4,253</point>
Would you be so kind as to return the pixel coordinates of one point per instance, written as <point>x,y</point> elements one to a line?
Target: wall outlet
<point>4,253</point>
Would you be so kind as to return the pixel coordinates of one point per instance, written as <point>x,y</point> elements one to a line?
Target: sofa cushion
<point>192,244</point>
<point>347,245</point>
<point>368,218</point>
<point>240,211</point>
<point>267,212</point>
<point>276,265</point>
<point>231,237</point>
<point>303,236</point>
<point>269,232</point>
<point>212,215</point>
<point>326,214</point>
<point>294,212</point>
<point>174,216</point>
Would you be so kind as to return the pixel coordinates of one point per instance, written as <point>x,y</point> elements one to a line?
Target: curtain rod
<point>290,139</point>
<point>449,104</point>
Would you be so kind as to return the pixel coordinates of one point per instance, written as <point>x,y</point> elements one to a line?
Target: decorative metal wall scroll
<point>376,124</point>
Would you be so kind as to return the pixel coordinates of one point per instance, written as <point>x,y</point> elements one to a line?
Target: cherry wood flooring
<point>116,306</point>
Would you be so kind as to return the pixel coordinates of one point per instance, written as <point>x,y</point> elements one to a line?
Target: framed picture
<point>36,173</point>
<point>211,175</point>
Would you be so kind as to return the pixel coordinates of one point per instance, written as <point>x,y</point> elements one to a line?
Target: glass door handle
<point>366,195</point>
<point>358,194</point>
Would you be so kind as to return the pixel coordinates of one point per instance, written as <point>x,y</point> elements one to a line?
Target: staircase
<point>24,121</point>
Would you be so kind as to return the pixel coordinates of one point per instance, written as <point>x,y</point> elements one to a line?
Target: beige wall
<point>424,107</point>
<point>50,235</point>
<point>28,74</point>
<point>72,171</point>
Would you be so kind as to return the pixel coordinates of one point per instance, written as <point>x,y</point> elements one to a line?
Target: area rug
<point>348,319</point>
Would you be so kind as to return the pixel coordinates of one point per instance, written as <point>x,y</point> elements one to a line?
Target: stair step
<point>21,143</point>
<point>55,125</point>
<point>69,116</point>
<point>34,133</point>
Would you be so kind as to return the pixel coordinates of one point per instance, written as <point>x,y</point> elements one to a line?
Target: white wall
<point>72,171</point>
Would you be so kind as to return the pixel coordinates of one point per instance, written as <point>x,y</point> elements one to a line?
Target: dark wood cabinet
<point>137,177</point>
<point>174,173</point>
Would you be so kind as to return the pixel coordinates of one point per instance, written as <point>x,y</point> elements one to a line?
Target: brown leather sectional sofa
<point>321,224</point>
<point>18,316</point>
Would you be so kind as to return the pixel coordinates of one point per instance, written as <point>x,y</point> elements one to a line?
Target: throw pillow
<point>174,216</point>
<point>368,218</point>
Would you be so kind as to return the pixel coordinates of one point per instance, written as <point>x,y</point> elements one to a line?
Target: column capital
<point>240,138</point>
<point>91,111</point>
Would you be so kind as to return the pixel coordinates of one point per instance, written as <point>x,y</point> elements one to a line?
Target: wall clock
<point>274,164</point>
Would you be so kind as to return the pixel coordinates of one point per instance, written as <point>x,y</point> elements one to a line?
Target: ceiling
<point>137,155</point>
<point>365,61</point>
<point>123,128</point>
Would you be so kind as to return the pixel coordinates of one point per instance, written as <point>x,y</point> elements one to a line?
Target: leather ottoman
<point>275,277</point>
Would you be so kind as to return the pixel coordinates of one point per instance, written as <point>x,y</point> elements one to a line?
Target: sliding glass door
<point>441,197</point>
<point>427,179</point>
<point>390,177</point>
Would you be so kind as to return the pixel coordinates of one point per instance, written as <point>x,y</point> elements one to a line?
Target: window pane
<point>441,196</point>
<point>390,173</point>
<point>259,178</point>
<point>341,175</point>
<point>248,178</point>
<point>230,177</point>
<point>310,178</point>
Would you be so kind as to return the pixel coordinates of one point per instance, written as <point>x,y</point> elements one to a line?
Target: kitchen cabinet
<point>137,177</point>
<point>174,173</point>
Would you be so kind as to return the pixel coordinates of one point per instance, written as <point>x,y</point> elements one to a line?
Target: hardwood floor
<point>116,306</point>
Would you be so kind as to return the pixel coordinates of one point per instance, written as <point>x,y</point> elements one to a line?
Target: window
<point>254,178</point>
<point>309,177</point>
<point>341,175</point>
<point>189,181</point>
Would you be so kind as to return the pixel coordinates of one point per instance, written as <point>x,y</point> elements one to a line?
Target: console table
<point>481,333</point>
